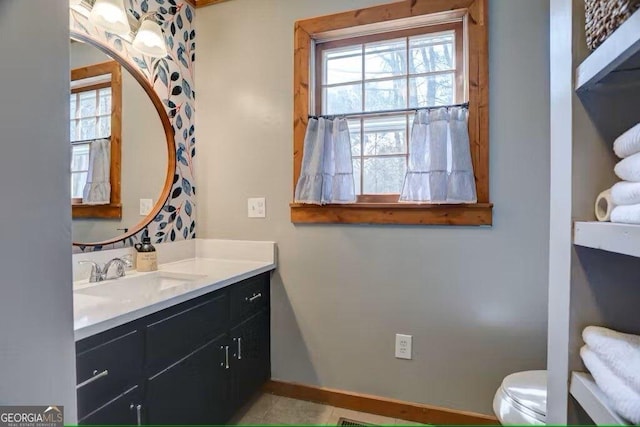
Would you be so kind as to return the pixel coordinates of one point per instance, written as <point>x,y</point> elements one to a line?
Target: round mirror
<point>122,147</point>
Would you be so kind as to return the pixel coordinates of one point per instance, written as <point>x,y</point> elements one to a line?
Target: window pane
<point>386,95</point>
<point>356,174</point>
<point>384,175</point>
<point>431,53</point>
<point>105,101</point>
<point>385,135</point>
<point>343,65</point>
<point>104,127</point>
<point>72,131</point>
<point>354,134</point>
<point>343,99</point>
<point>88,128</point>
<point>72,108</point>
<point>87,104</point>
<point>428,91</point>
<point>78,180</point>
<point>79,157</point>
<point>385,59</point>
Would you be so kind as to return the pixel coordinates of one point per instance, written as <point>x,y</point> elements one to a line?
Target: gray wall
<point>475,299</point>
<point>36,317</point>
<point>144,153</point>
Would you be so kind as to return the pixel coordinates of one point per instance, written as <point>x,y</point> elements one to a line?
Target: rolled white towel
<point>620,352</point>
<point>628,143</point>
<point>625,193</point>
<point>628,169</point>
<point>623,399</point>
<point>629,214</point>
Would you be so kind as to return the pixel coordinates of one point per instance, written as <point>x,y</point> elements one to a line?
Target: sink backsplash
<point>231,250</point>
<point>167,252</point>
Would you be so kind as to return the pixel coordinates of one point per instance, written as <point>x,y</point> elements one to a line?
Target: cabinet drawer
<point>107,370</point>
<point>176,335</point>
<point>123,410</point>
<point>249,297</point>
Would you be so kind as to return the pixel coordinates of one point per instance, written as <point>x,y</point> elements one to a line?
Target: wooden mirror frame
<point>168,131</point>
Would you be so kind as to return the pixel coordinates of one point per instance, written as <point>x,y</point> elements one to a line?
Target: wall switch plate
<point>257,207</point>
<point>403,346</point>
<point>146,205</point>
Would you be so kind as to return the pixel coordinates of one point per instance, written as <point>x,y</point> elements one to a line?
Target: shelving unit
<point>585,390</point>
<point>595,286</point>
<point>618,238</point>
<point>617,60</point>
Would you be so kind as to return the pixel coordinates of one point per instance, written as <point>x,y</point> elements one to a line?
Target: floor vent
<point>348,422</point>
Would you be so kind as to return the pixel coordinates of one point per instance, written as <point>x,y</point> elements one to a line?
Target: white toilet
<point>522,399</point>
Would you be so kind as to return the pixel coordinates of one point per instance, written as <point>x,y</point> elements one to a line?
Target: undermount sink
<point>126,288</point>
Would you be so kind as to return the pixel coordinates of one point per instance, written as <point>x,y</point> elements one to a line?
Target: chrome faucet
<point>100,273</point>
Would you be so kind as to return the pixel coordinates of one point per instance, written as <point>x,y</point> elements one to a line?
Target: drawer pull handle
<point>226,357</point>
<point>239,348</point>
<point>254,297</point>
<point>138,409</point>
<point>95,377</point>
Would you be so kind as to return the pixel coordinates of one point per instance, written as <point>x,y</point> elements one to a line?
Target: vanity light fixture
<point>149,39</point>
<point>110,15</point>
<point>144,34</point>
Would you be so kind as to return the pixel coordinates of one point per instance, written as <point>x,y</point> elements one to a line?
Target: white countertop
<point>102,306</point>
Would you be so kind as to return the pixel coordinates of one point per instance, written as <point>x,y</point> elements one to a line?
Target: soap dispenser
<point>146,258</point>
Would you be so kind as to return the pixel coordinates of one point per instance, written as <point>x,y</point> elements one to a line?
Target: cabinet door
<point>125,409</point>
<point>251,362</point>
<point>194,390</point>
<point>177,332</point>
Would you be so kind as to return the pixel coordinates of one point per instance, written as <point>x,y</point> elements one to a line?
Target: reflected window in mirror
<point>90,120</point>
<point>95,134</point>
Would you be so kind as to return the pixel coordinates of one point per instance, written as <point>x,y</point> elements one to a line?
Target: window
<point>90,120</point>
<point>390,71</point>
<point>367,63</point>
<point>95,107</point>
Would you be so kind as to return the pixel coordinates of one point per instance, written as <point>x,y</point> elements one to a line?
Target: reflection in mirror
<point>119,151</point>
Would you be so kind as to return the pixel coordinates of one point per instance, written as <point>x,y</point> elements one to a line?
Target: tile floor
<point>271,409</point>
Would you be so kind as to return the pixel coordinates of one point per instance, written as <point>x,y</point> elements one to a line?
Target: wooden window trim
<point>114,209</point>
<point>474,14</point>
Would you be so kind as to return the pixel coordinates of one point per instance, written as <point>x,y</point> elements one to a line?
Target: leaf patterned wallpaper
<point>172,79</point>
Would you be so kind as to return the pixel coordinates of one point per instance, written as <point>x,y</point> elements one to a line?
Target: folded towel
<point>625,193</point>
<point>628,169</point>
<point>620,352</point>
<point>622,398</point>
<point>629,214</point>
<point>628,143</point>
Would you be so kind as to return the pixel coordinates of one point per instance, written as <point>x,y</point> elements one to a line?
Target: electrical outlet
<point>146,205</point>
<point>403,346</point>
<point>257,207</point>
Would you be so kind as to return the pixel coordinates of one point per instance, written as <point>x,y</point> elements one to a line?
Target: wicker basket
<point>603,17</point>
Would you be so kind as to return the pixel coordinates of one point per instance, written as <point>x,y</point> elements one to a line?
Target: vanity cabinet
<point>195,363</point>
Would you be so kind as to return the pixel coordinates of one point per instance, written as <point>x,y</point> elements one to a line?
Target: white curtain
<point>440,168</point>
<point>97,190</point>
<point>327,171</point>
